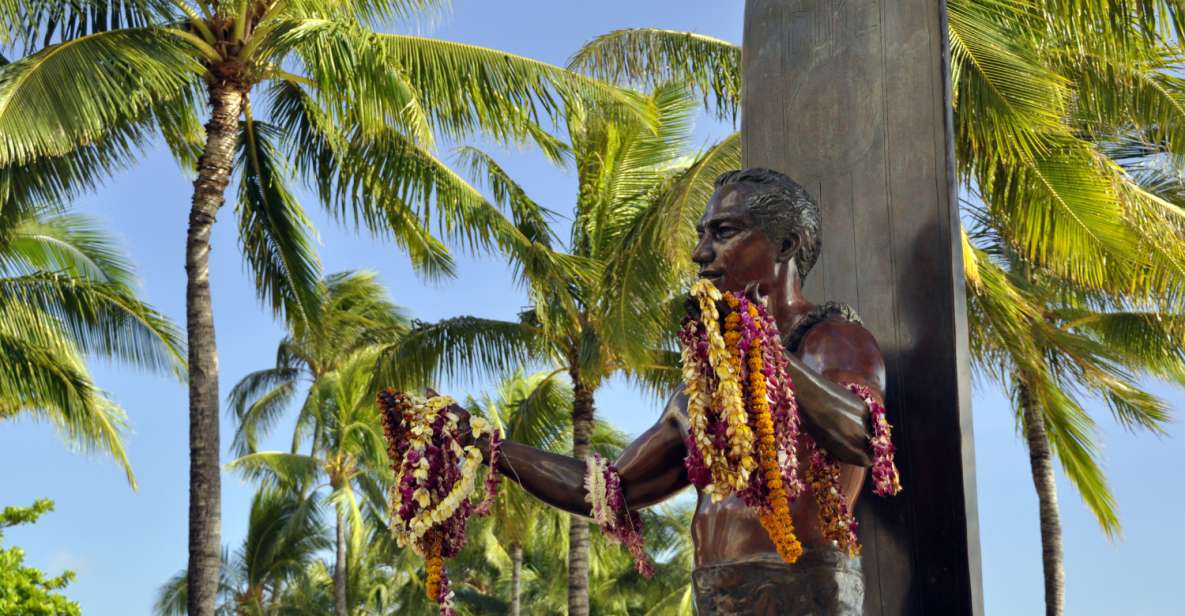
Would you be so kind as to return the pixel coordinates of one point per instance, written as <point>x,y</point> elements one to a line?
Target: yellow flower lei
<point>698,401</point>
<point>731,473</point>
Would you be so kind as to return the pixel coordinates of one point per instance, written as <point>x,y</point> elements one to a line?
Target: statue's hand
<point>465,432</point>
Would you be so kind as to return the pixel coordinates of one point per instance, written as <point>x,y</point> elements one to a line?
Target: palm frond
<point>465,88</point>
<point>30,24</point>
<point>101,318</point>
<point>461,349</point>
<point>257,401</point>
<point>274,233</point>
<point>43,377</point>
<point>46,110</point>
<point>1009,104</point>
<point>532,220</point>
<point>647,57</point>
<point>277,468</point>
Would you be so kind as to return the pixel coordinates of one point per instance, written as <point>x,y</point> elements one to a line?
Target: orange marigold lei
<point>775,516</point>
<point>740,393</point>
<point>435,569</point>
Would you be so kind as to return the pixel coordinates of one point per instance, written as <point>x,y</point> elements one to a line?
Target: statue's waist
<point>822,581</point>
<point>812,558</point>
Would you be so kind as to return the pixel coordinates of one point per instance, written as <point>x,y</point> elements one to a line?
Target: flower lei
<point>741,399</point>
<point>886,481</point>
<point>609,510</point>
<point>435,478</point>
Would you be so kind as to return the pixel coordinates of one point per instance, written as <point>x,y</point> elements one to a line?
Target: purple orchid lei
<point>886,481</point>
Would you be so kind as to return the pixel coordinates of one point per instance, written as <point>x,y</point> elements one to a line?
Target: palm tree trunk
<point>1041,463</point>
<point>340,576</point>
<point>516,579</point>
<point>582,428</point>
<point>205,483</point>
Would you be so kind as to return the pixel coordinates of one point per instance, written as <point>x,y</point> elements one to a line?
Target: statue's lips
<point>711,275</point>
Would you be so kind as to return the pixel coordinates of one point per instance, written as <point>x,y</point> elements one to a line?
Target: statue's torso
<point>728,530</point>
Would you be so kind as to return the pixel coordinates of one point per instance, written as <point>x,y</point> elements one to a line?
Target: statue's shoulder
<point>822,313</point>
<point>833,341</point>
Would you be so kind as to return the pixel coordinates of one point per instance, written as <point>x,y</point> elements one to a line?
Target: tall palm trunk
<point>340,576</point>
<point>582,428</point>
<point>516,578</point>
<point>1041,463</point>
<point>205,484</point>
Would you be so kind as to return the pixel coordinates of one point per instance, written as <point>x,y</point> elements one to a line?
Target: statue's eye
<point>726,232</point>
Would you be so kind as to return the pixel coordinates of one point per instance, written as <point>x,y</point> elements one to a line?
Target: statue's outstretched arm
<point>836,352</point>
<point>651,468</point>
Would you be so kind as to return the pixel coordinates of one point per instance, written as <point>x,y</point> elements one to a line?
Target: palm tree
<point>284,533</point>
<point>523,533</point>
<point>355,314</point>
<point>1052,345</point>
<point>599,316</point>
<point>347,448</point>
<point>332,353</point>
<point>66,292</point>
<point>1042,89</point>
<point>534,410</point>
<point>354,110</point>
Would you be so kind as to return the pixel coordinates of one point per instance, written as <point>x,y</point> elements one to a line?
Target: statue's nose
<point>703,253</point>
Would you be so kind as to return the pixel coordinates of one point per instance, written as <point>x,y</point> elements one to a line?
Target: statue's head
<point>757,224</point>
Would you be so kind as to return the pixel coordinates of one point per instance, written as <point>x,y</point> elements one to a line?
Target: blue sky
<point>124,544</point>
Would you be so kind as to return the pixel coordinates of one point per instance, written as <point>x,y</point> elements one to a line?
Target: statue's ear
<point>789,247</point>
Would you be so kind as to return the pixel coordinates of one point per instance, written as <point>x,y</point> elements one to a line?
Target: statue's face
<point>733,251</point>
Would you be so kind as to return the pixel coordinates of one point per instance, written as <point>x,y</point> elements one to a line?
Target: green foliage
<point>25,590</point>
<point>66,292</point>
<point>356,110</point>
<point>284,533</point>
<point>599,316</point>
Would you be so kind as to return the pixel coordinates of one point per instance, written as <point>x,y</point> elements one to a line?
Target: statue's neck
<point>786,300</point>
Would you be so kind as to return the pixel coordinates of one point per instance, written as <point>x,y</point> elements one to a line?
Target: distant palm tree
<point>67,292</point>
<point>334,353</point>
<point>533,410</point>
<point>1041,90</point>
<point>355,314</point>
<point>347,448</point>
<point>284,533</point>
<point>304,88</point>
<point>603,310</point>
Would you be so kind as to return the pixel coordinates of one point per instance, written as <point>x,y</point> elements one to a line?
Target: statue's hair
<point>783,208</point>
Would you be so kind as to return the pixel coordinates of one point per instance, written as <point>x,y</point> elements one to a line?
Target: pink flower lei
<point>610,511</point>
<point>886,481</point>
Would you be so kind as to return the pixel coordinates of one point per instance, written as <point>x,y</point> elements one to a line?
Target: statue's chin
<point>721,283</point>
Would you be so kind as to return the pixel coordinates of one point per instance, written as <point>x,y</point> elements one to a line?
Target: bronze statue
<point>760,229</point>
